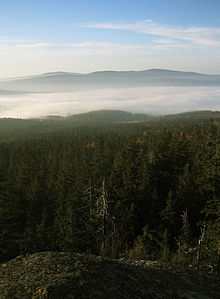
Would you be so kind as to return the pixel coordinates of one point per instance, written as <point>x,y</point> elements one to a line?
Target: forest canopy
<point>139,188</point>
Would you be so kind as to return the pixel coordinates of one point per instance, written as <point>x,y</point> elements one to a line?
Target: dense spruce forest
<point>136,188</point>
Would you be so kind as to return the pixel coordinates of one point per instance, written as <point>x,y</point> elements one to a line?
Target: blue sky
<point>84,36</point>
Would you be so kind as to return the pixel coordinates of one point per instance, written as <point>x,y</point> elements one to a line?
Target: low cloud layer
<point>156,100</point>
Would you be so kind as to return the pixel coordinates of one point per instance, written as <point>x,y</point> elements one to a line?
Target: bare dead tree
<point>103,214</point>
<point>184,217</point>
<point>200,241</point>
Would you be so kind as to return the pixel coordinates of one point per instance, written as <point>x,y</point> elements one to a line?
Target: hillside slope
<point>58,275</point>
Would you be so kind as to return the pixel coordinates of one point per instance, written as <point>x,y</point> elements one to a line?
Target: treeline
<point>137,193</point>
<point>110,120</point>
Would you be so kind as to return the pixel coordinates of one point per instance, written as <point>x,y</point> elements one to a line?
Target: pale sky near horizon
<point>90,35</point>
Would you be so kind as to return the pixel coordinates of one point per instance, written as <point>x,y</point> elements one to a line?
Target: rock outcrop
<point>59,275</point>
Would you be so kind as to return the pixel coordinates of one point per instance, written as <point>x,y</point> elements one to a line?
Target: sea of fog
<point>154,100</point>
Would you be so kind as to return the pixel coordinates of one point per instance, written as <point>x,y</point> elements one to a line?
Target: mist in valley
<point>151,99</point>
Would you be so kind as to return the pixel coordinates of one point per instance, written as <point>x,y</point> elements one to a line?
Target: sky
<point>90,35</point>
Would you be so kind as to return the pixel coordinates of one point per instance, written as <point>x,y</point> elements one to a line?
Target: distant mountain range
<point>69,82</point>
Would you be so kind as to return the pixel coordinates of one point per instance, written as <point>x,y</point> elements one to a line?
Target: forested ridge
<point>145,190</point>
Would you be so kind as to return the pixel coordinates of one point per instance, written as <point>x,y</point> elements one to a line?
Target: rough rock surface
<point>58,275</point>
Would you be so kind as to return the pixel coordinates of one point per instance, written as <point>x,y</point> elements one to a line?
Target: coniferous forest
<point>139,190</point>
